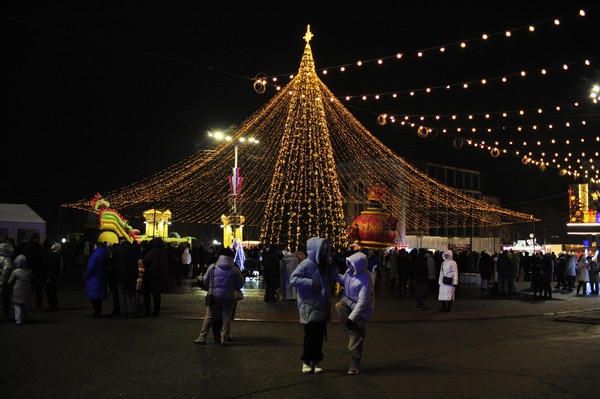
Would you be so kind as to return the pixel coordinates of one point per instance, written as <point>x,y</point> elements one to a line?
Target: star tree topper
<point>308,35</point>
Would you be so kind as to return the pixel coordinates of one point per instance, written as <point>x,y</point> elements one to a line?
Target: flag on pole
<point>235,181</point>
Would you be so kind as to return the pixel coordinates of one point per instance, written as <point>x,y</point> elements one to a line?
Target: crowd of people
<point>27,272</point>
<point>137,274</point>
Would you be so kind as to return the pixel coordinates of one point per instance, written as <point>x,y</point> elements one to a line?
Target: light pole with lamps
<point>235,181</point>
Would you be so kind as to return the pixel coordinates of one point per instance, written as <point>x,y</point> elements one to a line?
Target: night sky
<point>98,97</point>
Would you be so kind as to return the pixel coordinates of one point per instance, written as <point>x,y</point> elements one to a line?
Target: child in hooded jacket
<point>21,278</point>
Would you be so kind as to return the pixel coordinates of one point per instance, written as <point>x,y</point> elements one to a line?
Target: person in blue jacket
<point>313,278</point>
<point>96,278</point>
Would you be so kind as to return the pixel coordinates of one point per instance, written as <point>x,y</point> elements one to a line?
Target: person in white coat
<point>571,271</point>
<point>290,263</point>
<point>448,281</point>
<point>356,305</point>
<point>583,274</point>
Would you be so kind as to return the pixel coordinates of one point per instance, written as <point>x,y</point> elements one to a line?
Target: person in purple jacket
<point>356,305</point>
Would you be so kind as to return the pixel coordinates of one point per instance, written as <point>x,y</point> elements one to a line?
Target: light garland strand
<point>584,165</point>
<point>481,82</point>
<point>442,48</point>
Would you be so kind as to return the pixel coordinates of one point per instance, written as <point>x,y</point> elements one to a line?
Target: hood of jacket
<point>224,262</point>
<point>447,255</point>
<point>20,262</point>
<point>358,262</point>
<point>313,248</point>
<point>156,242</point>
<point>6,250</point>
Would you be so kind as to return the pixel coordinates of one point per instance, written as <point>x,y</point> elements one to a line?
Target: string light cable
<point>462,44</point>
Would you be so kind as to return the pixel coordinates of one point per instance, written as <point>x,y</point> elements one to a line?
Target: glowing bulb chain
<point>507,33</point>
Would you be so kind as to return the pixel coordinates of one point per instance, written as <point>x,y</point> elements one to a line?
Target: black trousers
<point>6,296</point>
<point>38,288</point>
<point>155,299</point>
<point>97,306</point>
<point>314,335</point>
<point>52,293</point>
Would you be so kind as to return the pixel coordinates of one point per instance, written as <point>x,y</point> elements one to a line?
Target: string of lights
<point>444,48</point>
<point>498,128</point>
<point>314,161</point>
<point>481,82</point>
<point>581,165</point>
<point>520,112</point>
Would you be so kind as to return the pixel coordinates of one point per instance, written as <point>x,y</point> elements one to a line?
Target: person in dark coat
<point>96,278</point>
<point>156,275</point>
<point>7,252</point>
<point>34,252</point>
<point>536,275</point>
<point>403,269</point>
<point>503,266</point>
<point>561,267</point>
<point>51,273</point>
<point>198,259</point>
<point>525,264</point>
<point>125,261</point>
<point>111,273</point>
<point>547,275</point>
<point>486,266</point>
<point>271,272</point>
<point>421,278</point>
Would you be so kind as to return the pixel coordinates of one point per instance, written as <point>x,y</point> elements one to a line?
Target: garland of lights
<point>507,33</point>
<point>577,170</point>
<point>468,84</point>
<point>523,112</point>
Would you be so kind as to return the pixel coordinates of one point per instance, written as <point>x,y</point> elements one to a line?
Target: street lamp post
<point>235,180</point>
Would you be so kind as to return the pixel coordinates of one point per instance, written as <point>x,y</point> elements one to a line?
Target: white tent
<point>19,221</point>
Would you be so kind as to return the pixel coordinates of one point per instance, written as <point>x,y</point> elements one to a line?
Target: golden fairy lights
<point>304,198</point>
<point>556,130</point>
<point>459,45</point>
<point>314,163</point>
<point>553,145</point>
<point>572,127</point>
<point>502,79</point>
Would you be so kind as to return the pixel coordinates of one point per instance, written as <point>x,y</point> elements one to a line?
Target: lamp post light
<point>235,180</point>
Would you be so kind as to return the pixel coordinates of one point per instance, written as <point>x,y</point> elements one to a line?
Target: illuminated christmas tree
<point>309,175</point>
<point>304,197</point>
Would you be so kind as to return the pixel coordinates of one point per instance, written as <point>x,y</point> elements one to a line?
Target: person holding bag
<point>448,280</point>
<point>223,280</point>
